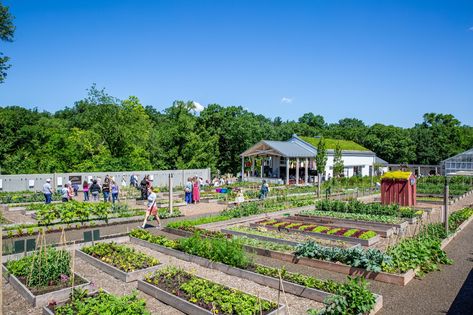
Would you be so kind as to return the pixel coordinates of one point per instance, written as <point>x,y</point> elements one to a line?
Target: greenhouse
<point>462,162</point>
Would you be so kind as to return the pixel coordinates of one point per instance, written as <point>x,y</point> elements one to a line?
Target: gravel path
<point>15,304</point>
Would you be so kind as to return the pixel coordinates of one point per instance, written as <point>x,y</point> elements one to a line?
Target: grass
<point>332,143</point>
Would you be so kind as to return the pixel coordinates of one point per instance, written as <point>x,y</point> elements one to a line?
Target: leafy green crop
<point>215,297</point>
<point>42,268</point>
<point>104,303</point>
<point>123,257</point>
<point>371,259</point>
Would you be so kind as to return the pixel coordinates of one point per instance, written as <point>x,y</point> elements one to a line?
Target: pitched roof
<point>283,148</point>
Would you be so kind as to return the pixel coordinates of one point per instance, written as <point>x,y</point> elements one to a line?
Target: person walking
<point>47,191</point>
<point>65,193</point>
<point>144,187</point>
<point>106,189</point>
<point>195,190</point>
<point>151,208</point>
<point>188,191</point>
<point>95,190</point>
<point>85,190</point>
<point>115,190</point>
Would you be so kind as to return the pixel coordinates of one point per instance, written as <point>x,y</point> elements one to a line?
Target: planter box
<point>180,303</point>
<point>446,241</point>
<point>398,279</point>
<point>260,237</point>
<point>289,287</point>
<point>354,240</point>
<point>383,229</point>
<point>48,311</point>
<point>42,299</point>
<point>113,271</point>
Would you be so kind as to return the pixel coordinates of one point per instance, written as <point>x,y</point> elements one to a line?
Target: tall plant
<point>338,165</point>
<point>321,161</point>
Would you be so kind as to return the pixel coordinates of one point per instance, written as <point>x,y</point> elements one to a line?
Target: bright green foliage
<point>353,216</point>
<point>227,251</point>
<point>24,196</point>
<point>68,212</point>
<point>352,298</point>
<point>332,144</point>
<point>155,239</point>
<point>104,303</point>
<point>42,268</point>
<point>123,257</point>
<point>355,206</point>
<point>7,30</point>
<point>264,244</point>
<point>371,259</point>
<point>338,166</point>
<point>221,299</point>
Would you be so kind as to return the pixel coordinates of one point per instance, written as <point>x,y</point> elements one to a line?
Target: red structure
<point>398,187</point>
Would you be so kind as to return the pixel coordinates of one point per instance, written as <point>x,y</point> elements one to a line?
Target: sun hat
<point>48,180</point>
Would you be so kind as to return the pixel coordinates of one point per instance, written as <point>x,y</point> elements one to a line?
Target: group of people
<point>192,189</point>
<point>93,188</point>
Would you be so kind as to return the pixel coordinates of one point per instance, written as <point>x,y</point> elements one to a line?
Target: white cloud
<point>198,107</point>
<point>286,100</point>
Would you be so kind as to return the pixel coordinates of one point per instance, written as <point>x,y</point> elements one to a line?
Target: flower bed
<point>365,237</point>
<point>99,303</point>
<point>205,295</point>
<point>43,276</point>
<point>128,264</point>
<point>228,256</point>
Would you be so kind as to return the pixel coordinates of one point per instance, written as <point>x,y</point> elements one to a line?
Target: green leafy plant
<point>103,303</point>
<point>123,257</point>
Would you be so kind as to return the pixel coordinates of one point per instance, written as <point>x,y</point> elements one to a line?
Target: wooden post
<point>170,193</point>
<point>297,171</point>
<point>242,167</point>
<point>306,170</point>
<point>287,170</point>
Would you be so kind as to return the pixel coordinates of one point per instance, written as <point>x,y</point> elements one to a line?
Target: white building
<point>293,161</point>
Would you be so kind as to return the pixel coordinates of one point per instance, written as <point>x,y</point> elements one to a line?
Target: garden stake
<point>283,292</point>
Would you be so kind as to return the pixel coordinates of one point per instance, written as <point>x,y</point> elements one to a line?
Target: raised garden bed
<point>98,303</point>
<point>291,239</point>
<point>43,276</point>
<point>186,295</point>
<point>120,261</point>
<point>383,229</point>
<point>272,282</point>
<point>363,237</point>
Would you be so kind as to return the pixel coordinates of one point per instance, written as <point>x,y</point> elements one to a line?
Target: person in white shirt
<point>47,191</point>
<point>151,208</point>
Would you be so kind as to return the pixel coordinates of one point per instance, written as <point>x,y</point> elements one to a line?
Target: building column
<point>252,166</point>
<point>242,167</point>
<point>261,168</point>
<point>297,171</point>
<point>287,171</point>
<point>306,174</point>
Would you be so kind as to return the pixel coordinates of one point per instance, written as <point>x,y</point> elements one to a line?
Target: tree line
<point>103,133</point>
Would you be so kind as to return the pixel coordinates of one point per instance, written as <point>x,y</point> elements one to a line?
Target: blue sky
<point>379,61</point>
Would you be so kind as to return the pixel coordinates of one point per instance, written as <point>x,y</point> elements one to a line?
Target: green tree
<point>338,166</point>
<point>7,29</point>
<point>320,161</point>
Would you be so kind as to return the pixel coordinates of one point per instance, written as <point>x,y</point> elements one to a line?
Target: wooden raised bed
<point>41,299</point>
<point>113,271</point>
<point>289,287</point>
<point>48,311</point>
<point>180,303</point>
<point>368,242</point>
<point>384,229</point>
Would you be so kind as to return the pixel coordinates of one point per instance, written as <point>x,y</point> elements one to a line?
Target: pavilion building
<point>293,161</point>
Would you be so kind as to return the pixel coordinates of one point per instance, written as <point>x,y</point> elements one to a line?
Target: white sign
<point>90,178</point>
<point>59,181</point>
<point>31,183</point>
<point>1,183</point>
